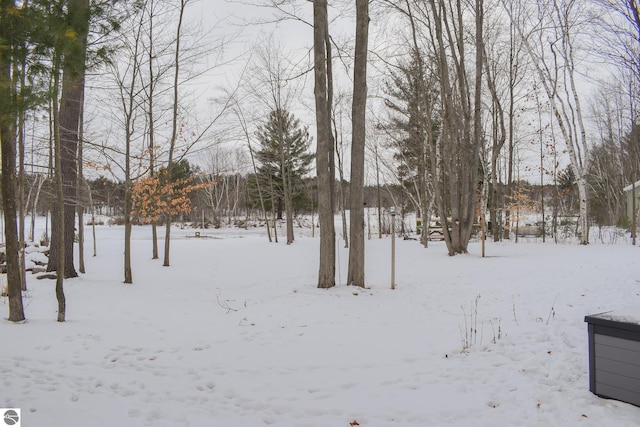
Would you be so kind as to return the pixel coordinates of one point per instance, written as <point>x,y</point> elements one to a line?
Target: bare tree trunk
<point>512,83</point>
<point>541,141</point>
<point>128,90</point>
<point>457,153</point>
<point>57,221</point>
<point>60,226</point>
<point>58,206</point>
<point>634,214</point>
<point>151,114</point>
<point>245,130</point>
<point>93,219</point>
<point>499,140</point>
<point>484,196</point>
<point>343,185</point>
<point>79,190</point>
<point>274,221</point>
<point>634,138</point>
<point>477,124</point>
<point>174,126</point>
<point>21,173</point>
<point>127,85</point>
<point>355,274</point>
<point>379,197</point>
<point>8,180</point>
<point>273,210</point>
<point>324,143</point>
<point>128,273</point>
<point>70,115</point>
<point>286,187</point>
<point>69,121</point>
<point>167,240</point>
<point>32,230</point>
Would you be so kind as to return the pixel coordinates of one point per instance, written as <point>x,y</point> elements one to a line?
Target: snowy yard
<point>235,333</point>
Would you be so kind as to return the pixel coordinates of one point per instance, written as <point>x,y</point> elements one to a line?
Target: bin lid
<point>622,319</point>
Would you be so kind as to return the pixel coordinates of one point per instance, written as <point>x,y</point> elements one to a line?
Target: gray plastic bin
<point>614,356</point>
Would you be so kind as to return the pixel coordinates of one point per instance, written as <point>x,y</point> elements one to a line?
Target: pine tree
<point>413,98</point>
<point>284,160</point>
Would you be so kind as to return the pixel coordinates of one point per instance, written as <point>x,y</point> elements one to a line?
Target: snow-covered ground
<point>235,333</point>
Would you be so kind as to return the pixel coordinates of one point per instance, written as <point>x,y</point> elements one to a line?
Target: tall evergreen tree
<point>285,159</point>
<point>413,99</point>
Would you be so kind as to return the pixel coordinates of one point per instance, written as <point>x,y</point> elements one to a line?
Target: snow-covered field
<point>235,333</point>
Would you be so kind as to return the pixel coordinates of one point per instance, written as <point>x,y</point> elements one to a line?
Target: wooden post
<point>393,249</point>
<point>483,232</point>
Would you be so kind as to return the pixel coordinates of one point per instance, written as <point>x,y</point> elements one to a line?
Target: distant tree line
<point>233,199</point>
